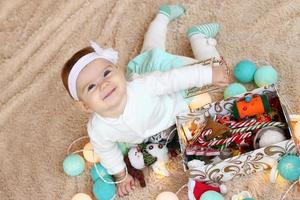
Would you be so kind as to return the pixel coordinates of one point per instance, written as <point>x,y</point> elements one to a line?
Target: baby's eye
<point>91,86</point>
<point>106,73</point>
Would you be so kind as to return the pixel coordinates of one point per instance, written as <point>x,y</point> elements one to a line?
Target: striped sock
<point>172,11</point>
<point>208,30</point>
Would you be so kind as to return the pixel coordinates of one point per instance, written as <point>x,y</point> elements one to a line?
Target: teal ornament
<point>265,75</point>
<point>102,171</point>
<point>289,167</point>
<point>123,147</point>
<point>244,71</point>
<point>210,194</point>
<point>248,99</point>
<point>73,165</point>
<point>234,89</point>
<point>248,198</point>
<point>104,191</point>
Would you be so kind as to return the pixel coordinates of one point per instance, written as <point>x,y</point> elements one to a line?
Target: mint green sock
<point>172,11</point>
<point>209,30</point>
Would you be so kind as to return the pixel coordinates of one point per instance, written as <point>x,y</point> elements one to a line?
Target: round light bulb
<point>297,130</point>
<point>81,196</point>
<point>167,195</point>
<point>89,154</point>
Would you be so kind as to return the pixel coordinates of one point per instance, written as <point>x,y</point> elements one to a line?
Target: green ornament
<point>148,158</point>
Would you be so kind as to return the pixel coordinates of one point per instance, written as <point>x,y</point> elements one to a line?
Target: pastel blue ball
<point>289,167</point>
<point>265,75</point>
<point>210,194</point>
<point>102,171</point>
<point>73,165</point>
<point>103,191</point>
<point>233,90</point>
<point>244,71</point>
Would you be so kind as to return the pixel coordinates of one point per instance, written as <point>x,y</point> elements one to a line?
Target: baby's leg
<point>155,36</point>
<point>203,42</point>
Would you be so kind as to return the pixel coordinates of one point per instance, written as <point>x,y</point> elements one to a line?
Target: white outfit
<point>152,104</point>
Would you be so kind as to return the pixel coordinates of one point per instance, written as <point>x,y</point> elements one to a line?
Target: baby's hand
<point>220,76</point>
<point>127,186</point>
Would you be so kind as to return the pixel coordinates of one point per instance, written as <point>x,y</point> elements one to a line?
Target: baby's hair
<point>70,63</point>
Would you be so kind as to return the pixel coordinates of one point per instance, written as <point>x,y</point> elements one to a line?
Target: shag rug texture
<point>38,120</point>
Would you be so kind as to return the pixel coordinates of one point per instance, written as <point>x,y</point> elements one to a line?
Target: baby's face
<point>102,87</point>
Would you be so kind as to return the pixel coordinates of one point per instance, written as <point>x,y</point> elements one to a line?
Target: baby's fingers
<point>128,188</point>
<point>120,191</point>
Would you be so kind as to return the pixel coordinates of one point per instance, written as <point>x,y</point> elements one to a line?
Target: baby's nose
<point>103,85</point>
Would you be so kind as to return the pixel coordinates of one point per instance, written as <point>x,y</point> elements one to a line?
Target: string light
<point>89,154</point>
<point>81,196</point>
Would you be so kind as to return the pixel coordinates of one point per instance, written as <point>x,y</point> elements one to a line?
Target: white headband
<point>108,54</point>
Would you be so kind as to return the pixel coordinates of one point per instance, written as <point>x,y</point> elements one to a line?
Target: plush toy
<point>197,188</point>
<point>135,173</point>
<point>251,106</point>
<point>154,155</point>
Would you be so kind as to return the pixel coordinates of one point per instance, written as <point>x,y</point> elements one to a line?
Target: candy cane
<point>237,138</point>
<point>258,125</point>
<point>204,133</point>
<point>243,123</point>
<point>225,120</point>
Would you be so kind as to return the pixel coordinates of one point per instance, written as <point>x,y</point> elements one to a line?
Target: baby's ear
<point>82,106</point>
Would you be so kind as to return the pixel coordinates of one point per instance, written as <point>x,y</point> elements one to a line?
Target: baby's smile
<point>107,93</point>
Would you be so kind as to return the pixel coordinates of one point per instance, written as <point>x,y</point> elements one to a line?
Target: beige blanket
<point>38,120</point>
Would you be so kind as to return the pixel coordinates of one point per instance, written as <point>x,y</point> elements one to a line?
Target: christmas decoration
<point>197,188</point>
<point>73,165</point>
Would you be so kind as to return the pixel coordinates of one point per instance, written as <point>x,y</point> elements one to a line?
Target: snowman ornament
<point>154,155</point>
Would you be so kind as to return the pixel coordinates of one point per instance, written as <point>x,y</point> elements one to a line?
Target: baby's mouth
<point>109,92</point>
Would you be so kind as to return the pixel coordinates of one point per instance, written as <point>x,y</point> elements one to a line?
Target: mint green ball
<point>211,195</point>
<point>244,71</point>
<point>265,75</point>
<point>73,165</point>
<point>234,89</point>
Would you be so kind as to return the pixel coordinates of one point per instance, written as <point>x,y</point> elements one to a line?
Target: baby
<point>132,111</point>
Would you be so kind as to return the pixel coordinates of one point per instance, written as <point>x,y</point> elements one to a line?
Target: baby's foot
<point>207,30</point>
<point>172,11</point>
